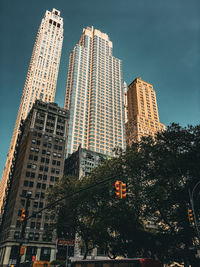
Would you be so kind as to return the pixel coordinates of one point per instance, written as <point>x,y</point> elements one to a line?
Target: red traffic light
<point>123,190</point>
<point>190,215</point>
<point>120,189</point>
<point>117,188</point>
<point>23,215</point>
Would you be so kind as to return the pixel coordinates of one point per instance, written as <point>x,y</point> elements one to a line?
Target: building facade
<point>142,111</point>
<point>94,95</point>
<point>39,164</point>
<point>81,162</point>
<point>41,78</point>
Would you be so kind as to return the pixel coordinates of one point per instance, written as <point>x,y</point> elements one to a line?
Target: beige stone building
<point>142,111</point>
<point>39,163</point>
<point>40,81</point>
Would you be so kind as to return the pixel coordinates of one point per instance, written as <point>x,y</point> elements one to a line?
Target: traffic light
<point>23,215</point>
<point>190,215</point>
<point>117,189</point>
<point>22,250</point>
<point>123,190</point>
<point>120,189</point>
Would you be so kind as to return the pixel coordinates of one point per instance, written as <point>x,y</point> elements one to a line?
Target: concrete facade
<point>39,163</point>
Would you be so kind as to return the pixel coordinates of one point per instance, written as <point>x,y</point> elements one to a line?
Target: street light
<point>191,195</point>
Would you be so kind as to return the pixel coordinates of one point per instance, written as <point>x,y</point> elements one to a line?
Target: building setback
<point>142,117</point>
<point>39,164</point>
<point>40,81</point>
<point>94,95</point>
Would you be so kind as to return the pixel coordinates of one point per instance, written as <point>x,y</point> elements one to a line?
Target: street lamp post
<point>191,195</point>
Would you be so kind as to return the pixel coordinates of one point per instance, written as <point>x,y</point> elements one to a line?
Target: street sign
<point>66,242</point>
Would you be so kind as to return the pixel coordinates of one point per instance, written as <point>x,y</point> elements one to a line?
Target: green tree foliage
<point>158,173</point>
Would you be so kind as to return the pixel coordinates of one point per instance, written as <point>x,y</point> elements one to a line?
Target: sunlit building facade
<point>94,95</point>
<point>40,81</point>
<point>142,111</point>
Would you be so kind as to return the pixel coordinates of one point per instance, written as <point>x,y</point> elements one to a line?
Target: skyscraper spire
<point>94,95</point>
<point>41,78</point>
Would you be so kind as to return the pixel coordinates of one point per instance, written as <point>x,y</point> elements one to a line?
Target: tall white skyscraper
<point>41,78</point>
<point>94,95</point>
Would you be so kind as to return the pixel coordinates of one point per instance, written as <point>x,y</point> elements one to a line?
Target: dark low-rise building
<point>81,162</point>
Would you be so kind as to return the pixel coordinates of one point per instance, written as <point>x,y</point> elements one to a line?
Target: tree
<point>158,173</point>
<point>162,166</point>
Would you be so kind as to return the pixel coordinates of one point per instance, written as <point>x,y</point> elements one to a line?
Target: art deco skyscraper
<point>142,117</point>
<point>41,78</point>
<point>94,95</point>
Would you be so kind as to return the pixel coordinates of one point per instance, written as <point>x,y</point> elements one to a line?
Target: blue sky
<point>156,40</point>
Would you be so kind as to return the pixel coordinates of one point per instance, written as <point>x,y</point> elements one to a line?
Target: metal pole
<point>192,206</point>
<point>23,230</point>
<point>67,256</point>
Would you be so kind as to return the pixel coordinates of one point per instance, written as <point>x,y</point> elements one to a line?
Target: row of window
<point>35,237</point>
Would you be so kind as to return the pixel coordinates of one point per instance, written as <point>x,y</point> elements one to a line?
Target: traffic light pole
<point>193,210</point>
<point>24,223</point>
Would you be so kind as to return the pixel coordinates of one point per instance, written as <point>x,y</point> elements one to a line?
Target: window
<point>32,175</point>
<point>37,195</point>
<point>45,254</point>
<point>16,234</point>
<point>46,169</point>
<point>38,226</point>
<point>28,166</point>
<point>43,186</point>
<point>32,226</point>
<point>24,192</point>
<point>35,204</point>
<point>31,236</point>
<point>18,224</point>
<point>34,166</point>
